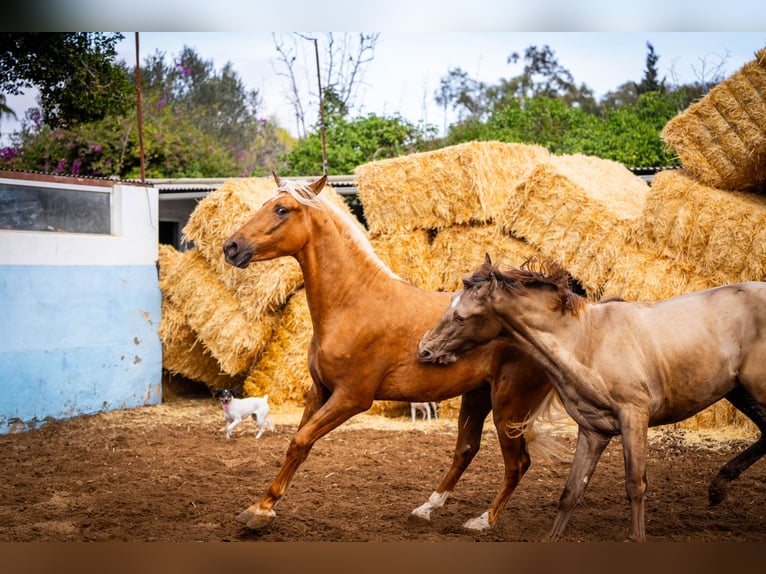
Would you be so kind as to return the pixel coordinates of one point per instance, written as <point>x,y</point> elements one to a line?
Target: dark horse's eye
<point>281,210</point>
<point>459,319</point>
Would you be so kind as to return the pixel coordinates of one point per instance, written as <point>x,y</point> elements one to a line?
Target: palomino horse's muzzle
<point>235,255</point>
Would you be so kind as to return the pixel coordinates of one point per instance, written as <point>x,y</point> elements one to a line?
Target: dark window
<point>32,208</point>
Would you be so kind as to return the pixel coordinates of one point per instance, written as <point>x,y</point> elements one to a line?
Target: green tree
<point>75,73</point>
<point>351,143</point>
<point>651,82</point>
<point>197,123</point>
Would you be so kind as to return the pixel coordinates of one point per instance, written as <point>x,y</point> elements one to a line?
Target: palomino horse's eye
<point>281,210</point>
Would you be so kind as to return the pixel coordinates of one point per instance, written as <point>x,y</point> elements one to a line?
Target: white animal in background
<point>236,410</point>
<point>425,409</point>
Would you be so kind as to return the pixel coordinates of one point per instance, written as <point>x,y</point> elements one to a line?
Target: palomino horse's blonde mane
<point>302,193</point>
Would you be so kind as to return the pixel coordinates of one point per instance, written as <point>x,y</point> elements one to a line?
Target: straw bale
<point>577,210</point>
<point>464,183</point>
<point>457,251</point>
<point>640,276</point>
<point>719,234</point>
<point>282,370</point>
<point>264,286</point>
<point>721,139</point>
<point>212,311</point>
<point>717,415</point>
<point>408,254</point>
<point>183,354</point>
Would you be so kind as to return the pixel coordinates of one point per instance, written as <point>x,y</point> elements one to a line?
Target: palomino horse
<point>367,323</point>
<point>619,367</point>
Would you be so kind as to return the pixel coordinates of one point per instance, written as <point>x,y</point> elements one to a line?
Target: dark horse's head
<point>471,320</point>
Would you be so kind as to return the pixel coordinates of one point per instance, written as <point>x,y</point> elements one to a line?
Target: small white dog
<point>236,410</point>
<point>425,409</point>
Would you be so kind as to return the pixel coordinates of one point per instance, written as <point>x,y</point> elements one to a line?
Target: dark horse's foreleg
<point>320,417</point>
<point>518,392</point>
<point>474,408</point>
<point>756,412</point>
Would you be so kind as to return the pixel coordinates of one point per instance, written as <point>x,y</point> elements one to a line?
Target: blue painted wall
<point>79,317</point>
<point>77,340</point>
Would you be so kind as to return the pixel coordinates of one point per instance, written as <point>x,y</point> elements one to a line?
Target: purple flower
<point>211,148</point>
<point>76,166</point>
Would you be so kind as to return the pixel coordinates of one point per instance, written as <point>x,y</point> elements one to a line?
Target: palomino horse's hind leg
<point>474,408</point>
<point>756,412</point>
<point>517,392</point>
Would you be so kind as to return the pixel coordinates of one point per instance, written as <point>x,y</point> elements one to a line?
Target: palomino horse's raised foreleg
<point>474,408</point>
<point>590,445</point>
<point>755,411</point>
<point>332,414</point>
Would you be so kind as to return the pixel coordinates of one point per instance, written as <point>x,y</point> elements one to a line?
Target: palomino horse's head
<point>278,228</point>
<point>467,323</point>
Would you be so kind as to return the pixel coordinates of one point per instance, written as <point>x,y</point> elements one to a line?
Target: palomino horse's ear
<point>318,185</point>
<point>277,180</point>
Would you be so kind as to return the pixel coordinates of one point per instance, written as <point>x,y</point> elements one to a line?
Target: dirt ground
<point>167,473</point>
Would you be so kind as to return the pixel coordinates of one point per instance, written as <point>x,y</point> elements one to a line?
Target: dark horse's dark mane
<point>532,274</point>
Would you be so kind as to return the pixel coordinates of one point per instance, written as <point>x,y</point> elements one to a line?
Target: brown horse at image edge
<point>366,326</point>
<point>619,367</point>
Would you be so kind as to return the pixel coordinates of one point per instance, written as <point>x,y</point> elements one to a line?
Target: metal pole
<point>321,111</point>
<point>140,116</point>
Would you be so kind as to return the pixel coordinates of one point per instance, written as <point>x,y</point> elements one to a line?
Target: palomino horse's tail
<point>544,430</point>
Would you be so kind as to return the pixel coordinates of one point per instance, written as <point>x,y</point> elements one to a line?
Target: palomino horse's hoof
<point>256,519</point>
<point>479,523</point>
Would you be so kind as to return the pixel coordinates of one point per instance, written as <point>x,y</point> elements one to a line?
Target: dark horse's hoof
<point>717,490</point>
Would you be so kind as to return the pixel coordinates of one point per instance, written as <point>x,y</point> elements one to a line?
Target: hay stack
<point>459,184</point>
<point>408,254</point>
<point>721,139</point>
<point>575,209</point>
<point>459,249</point>
<point>721,235</point>
<point>282,370</point>
<point>183,354</point>
<point>211,310</point>
<point>640,276</point>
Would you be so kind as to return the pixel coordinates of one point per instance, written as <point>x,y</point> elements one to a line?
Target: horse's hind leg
<point>756,412</point>
<point>474,408</point>
<point>517,392</point>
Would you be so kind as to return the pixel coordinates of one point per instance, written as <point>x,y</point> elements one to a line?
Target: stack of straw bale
<point>282,371</point>
<point>212,311</point>
<point>719,235</point>
<point>576,210</point>
<point>184,354</point>
<point>466,183</point>
<point>721,139</point>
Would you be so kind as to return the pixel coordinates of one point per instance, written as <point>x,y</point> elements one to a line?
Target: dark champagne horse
<point>367,323</point>
<point>619,367</point>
